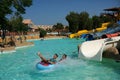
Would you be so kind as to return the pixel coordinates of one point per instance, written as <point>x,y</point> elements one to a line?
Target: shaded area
<point>87,37</point>
<point>108,31</point>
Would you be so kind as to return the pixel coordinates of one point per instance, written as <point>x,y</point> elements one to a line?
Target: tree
<point>107,18</point>
<point>83,18</point>
<point>89,24</point>
<point>73,21</point>
<point>96,21</point>
<point>10,7</point>
<point>79,21</point>
<point>67,28</point>
<point>58,27</point>
<point>42,32</point>
<point>17,26</point>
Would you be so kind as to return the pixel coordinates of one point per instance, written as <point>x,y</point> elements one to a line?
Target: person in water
<point>48,61</point>
<point>64,56</point>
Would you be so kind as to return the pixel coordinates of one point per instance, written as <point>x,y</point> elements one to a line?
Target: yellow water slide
<point>78,33</point>
<point>103,27</point>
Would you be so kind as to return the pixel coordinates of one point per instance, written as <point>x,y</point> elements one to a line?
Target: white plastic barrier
<point>94,49</point>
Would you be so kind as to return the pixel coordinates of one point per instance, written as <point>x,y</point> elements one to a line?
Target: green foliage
<point>42,32</point>
<point>20,5</point>
<point>58,26</point>
<point>73,20</point>
<point>12,6</point>
<point>83,18</point>
<point>113,24</point>
<point>9,6</point>
<point>67,28</point>
<point>83,21</point>
<point>89,24</point>
<point>49,30</point>
<point>16,24</point>
<point>96,21</point>
<point>107,19</point>
<point>79,21</point>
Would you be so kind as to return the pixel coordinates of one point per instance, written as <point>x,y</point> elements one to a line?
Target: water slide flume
<point>78,33</point>
<point>94,49</point>
<point>103,27</point>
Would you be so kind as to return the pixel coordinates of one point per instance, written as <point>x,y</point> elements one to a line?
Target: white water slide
<point>94,49</point>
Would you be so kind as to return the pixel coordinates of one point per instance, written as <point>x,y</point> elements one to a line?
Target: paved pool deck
<point>27,43</point>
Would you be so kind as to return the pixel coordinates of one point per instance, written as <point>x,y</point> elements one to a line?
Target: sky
<point>51,12</point>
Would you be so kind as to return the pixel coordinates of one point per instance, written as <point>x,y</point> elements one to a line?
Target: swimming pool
<point>20,65</point>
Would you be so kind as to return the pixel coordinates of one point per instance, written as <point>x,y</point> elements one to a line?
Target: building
<point>45,27</point>
<point>36,27</point>
<point>28,22</point>
<point>113,12</point>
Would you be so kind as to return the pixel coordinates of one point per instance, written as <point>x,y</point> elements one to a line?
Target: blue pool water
<point>20,65</point>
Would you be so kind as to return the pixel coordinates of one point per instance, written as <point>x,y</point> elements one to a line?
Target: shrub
<point>42,33</point>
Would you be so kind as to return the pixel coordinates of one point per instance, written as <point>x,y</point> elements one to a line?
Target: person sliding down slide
<point>48,61</point>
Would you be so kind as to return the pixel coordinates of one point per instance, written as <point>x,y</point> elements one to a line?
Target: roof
<point>113,9</point>
<point>27,21</point>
